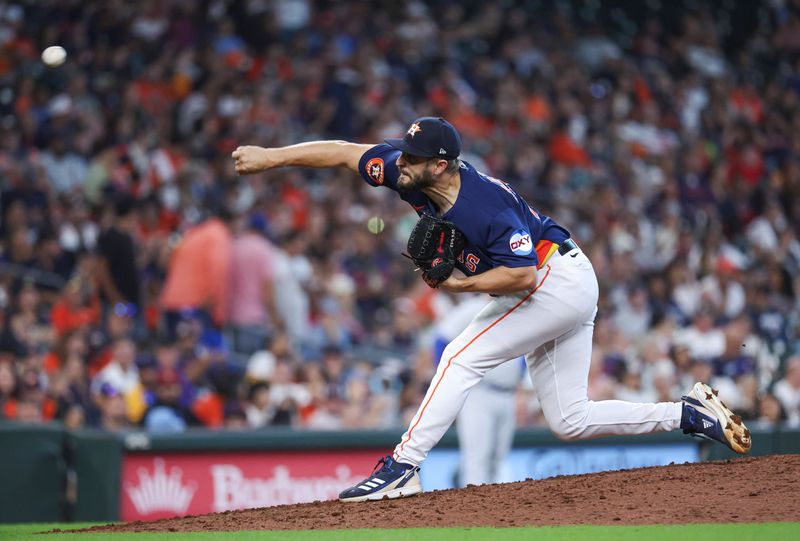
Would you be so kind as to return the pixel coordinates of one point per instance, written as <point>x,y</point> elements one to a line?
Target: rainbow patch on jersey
<point>520,242</point>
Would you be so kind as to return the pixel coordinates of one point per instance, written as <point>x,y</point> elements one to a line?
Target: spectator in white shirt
<point>121,373</point>
<point>787,390</point>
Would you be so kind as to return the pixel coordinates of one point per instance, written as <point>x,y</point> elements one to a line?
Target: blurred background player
<point>486,421</point>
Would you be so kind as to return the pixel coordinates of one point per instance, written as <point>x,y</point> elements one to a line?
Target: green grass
<point>729,532</point>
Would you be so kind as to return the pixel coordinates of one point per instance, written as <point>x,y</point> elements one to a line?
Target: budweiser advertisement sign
<point>175,484</point>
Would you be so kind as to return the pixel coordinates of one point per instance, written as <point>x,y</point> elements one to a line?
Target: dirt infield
<point>762,489</point>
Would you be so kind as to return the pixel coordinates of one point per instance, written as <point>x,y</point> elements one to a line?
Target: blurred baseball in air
<point>375,225</point>
<point>54,56</point>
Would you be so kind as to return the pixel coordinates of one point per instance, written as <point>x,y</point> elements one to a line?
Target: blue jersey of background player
<point>500,227</point>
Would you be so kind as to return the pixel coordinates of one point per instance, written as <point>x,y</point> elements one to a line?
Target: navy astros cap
<point>430,137</point>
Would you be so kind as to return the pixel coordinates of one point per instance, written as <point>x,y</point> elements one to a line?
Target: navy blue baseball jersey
<point>500,227</point>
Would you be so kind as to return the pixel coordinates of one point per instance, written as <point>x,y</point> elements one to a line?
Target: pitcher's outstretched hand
<point>251,159</point>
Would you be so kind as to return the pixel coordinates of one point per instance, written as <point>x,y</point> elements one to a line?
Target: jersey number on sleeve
<point>471,261</point>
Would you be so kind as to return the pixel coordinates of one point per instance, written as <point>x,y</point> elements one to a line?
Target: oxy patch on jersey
<point>520,242</point>
<point>374,169</point>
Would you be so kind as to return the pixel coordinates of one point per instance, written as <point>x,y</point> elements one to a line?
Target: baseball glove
<point>434,245</point>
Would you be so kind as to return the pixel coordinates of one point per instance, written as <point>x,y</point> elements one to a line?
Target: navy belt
<point>566,247</point>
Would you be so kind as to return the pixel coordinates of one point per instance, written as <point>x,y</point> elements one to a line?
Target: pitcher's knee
<point>569,427</point>
<point>566,432</point>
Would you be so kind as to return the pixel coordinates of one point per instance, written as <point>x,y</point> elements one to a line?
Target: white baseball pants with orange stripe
<point>552,327</point>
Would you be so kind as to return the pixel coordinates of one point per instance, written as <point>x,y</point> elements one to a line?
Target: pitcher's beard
<point>408,183</point>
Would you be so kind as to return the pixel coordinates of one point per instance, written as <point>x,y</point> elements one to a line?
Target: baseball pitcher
<point>543,307</point>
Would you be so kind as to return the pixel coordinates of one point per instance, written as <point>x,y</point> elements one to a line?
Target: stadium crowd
<point>142,284</point>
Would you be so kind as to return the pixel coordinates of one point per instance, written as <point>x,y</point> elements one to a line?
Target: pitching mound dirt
<point>762,489</point>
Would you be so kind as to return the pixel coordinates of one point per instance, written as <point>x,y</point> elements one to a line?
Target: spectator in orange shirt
<point>78,307</point>
<point>564,149</point>
<point>198,277</point>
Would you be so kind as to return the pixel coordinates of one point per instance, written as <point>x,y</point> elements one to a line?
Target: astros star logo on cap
<point>412,131</point>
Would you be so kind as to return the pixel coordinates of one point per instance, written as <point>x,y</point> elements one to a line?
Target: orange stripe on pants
<point>460,351</point>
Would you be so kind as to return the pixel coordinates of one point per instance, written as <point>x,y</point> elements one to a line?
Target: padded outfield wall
<point>49,474</point>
